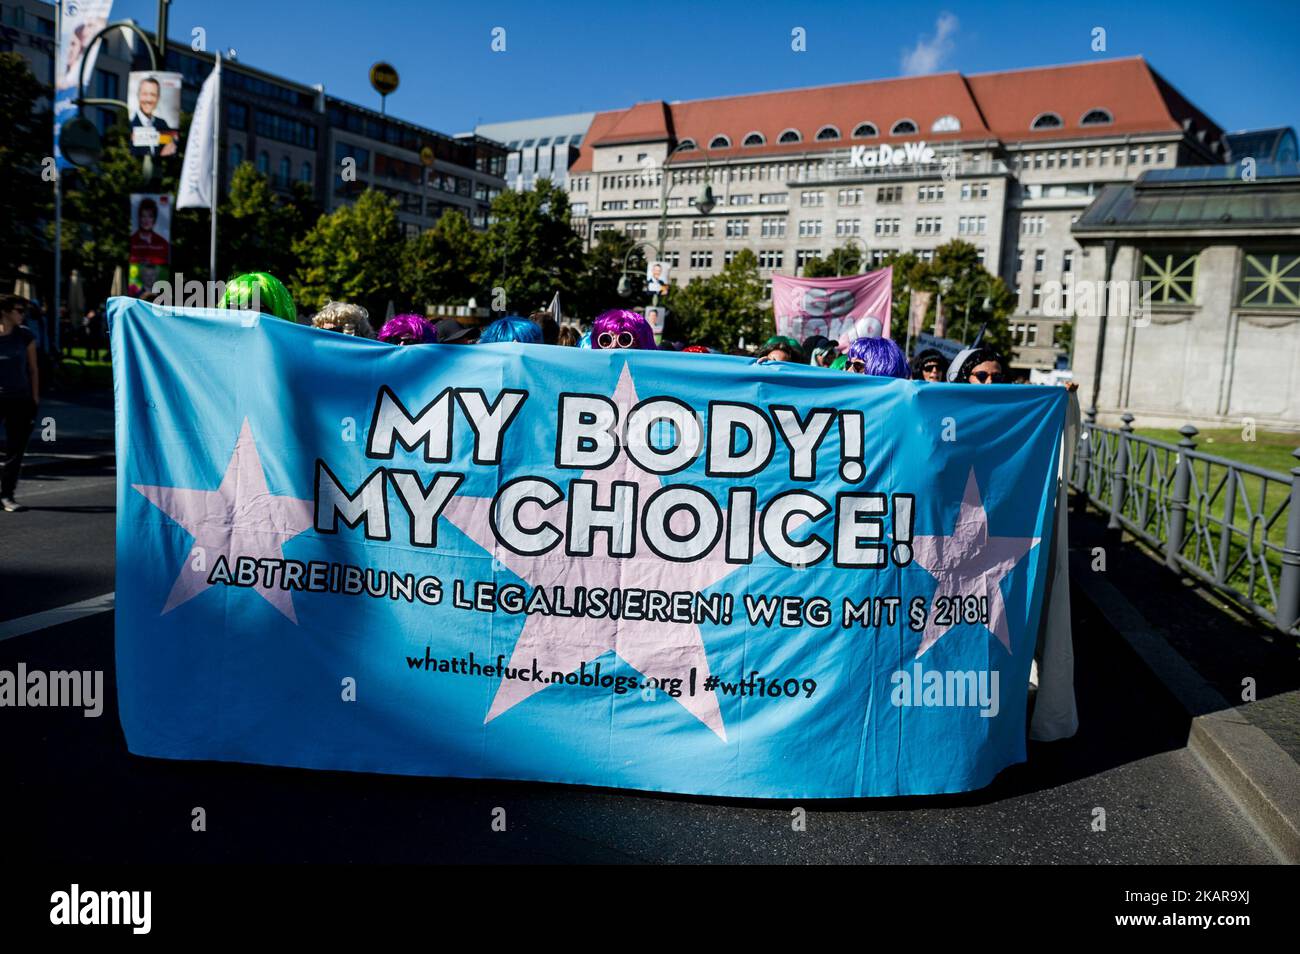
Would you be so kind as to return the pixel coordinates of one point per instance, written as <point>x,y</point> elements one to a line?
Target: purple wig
<point>880,356</point>
<point>620,320</point>
<point>408,329</point>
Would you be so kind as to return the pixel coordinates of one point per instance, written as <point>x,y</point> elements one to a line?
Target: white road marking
<point>62,614</point>
<point>59,487</point>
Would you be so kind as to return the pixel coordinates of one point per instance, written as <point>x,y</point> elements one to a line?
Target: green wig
<point>840,363</point>
<point>259,291</point>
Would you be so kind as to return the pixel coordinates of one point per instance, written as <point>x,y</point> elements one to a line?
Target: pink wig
<point>620,320</point>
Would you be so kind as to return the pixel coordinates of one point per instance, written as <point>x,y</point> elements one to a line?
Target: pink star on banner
<point>239,518</point>
<point>561,644</point>
<point>969,562</point>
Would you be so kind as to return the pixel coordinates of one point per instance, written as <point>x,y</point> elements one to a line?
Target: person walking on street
<point>19,393</point>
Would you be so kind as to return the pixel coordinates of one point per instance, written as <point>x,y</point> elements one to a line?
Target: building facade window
<point>888,226</point>
<point>701,259</point>
<point>810,228</point>
<point>865,131</point>
<point>850,197</point>
<point>773,258</point>
<point>1172,277</point>
<point>812,199</point>
<point>904,127</point>
<point>929,225</point>
<point>1270,279</point>
<point>845,227</point>
<point>737,228</point>
<point>772,228</point>
<point>889,194</point>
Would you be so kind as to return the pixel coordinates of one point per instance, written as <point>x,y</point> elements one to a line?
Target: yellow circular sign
<point>383,77</point>
<point>426,155</point>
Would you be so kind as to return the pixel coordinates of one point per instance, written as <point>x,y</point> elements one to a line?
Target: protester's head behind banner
<point>842,309</point>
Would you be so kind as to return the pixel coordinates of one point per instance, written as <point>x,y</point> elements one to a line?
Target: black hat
<point>451,331</point>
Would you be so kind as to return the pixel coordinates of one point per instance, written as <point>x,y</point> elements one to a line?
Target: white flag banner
<point>200,150</point>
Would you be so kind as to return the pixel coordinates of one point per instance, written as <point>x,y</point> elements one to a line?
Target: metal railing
<point>1229,524</point>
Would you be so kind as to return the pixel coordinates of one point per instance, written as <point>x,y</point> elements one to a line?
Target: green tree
<point>723,308</point>
<point>444,265</point>
<point>971,284</point>
<point>26,201</point>
<point>532,250</point>
<point>352,254</point>
<point>845,260</point>
<point>596,289</point>
<point>97,213</point>
<point>257,228</point>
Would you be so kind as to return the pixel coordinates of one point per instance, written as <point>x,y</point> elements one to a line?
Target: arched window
<point>865,130</point>
<point>827,133</point>
<point>719,142</point>
<point>286,169</point>
<point>1097,117</point>
<point>904,127</point>
<point>946,124</point>
<point>686,145</point>
<point>754,139</point>
<point>264,163</point>
<point>236,155</point>
<point>1046,121</point>
<point>304,174</point>
<point>790,135</point>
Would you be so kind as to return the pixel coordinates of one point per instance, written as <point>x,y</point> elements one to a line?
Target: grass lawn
<point>81,371</point>
<point>1270,449</point>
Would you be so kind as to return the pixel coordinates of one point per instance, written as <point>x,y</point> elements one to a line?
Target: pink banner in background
<point>842,309</point>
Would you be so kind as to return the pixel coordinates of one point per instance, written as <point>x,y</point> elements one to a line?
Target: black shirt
<point>15,379</point>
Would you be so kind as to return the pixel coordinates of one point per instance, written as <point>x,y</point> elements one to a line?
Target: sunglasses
<point>985,377</point>
<point>932,366</point>
<point>856,366</point>
<point>623,339</point>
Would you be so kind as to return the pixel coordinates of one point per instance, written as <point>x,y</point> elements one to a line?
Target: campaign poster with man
<point>155,100</point>
<point>656,277</point>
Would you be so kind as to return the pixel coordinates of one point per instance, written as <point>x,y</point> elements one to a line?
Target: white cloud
<point>929,53</point>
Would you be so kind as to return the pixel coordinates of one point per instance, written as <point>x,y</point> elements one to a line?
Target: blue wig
<point>880,356</point>
<point>511,328</point>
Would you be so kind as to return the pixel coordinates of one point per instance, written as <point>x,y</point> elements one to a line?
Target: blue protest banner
<point>647,570</point>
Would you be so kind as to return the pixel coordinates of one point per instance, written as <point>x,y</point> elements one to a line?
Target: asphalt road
<point>81,798</point>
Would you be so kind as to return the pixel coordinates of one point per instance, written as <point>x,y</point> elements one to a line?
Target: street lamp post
<point>704,204</point>
<point>985,284</point>
<point>625,286</point>
<point>862,265</point>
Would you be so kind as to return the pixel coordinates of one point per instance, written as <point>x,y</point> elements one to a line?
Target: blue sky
<point>1236,61</point>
